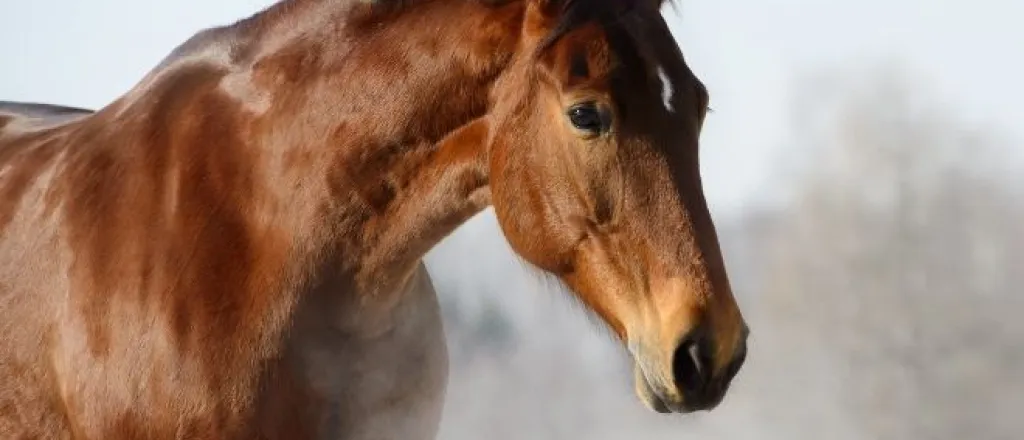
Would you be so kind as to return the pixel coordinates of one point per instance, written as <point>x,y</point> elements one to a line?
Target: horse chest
<point>374,376</point>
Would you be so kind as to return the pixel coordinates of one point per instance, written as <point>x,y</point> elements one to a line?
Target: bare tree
<point>900,258</point>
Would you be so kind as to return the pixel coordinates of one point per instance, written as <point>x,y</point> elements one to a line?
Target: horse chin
<point>651,399</point>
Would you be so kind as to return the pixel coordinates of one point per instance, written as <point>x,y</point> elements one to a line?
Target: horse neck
<point>366,126</point>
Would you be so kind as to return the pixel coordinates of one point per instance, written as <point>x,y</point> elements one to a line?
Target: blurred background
<point>864,162</point>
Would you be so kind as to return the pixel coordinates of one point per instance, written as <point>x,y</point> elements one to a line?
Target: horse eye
<point>588,118</point>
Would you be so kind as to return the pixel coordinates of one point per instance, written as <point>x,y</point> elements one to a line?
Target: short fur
<point>232,249</point>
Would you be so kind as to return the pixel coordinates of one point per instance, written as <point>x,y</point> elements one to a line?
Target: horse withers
<point>232,249</point>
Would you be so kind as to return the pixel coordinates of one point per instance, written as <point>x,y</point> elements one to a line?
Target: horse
<point>233,247</point>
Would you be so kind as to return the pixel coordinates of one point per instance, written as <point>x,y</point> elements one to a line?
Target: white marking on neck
<point>666,89</point>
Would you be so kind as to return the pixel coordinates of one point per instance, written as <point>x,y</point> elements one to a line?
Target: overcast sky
<point>748,52</point>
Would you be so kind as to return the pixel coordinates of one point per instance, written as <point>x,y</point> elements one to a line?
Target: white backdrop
<point>752,54</point>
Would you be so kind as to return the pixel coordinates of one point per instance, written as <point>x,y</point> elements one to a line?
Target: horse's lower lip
<point>660,406</point>
<point>657,403</point>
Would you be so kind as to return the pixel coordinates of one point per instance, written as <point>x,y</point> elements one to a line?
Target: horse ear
<point>659,4</point>
<point>549,8</point>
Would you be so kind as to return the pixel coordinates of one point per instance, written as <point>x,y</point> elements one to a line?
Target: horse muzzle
<point>687,381</point>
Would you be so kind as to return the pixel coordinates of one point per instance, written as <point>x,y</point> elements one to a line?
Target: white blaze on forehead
<point>666,89</point>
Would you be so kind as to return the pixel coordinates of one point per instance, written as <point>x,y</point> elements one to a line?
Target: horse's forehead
<point>667,89</point>
<point>658,54</point>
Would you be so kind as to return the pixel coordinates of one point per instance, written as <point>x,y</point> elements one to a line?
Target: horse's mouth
<point>652,401</point>
<point>654,398</point>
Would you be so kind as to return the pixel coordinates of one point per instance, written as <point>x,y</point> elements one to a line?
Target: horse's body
<point>370,376</point>
<point>233,248</point>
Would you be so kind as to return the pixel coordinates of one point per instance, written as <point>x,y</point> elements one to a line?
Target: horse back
<point>40,110</point>
<point>37,114</point>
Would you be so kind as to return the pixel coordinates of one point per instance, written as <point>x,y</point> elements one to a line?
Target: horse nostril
<point>691,366</point>
<point>734,367</point>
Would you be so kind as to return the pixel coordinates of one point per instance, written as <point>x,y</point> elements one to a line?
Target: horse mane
<point>576,13</point>
<point>230,38</point>
<point>573,14</point>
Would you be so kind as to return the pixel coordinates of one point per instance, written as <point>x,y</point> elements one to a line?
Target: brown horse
<point>232,249</point>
